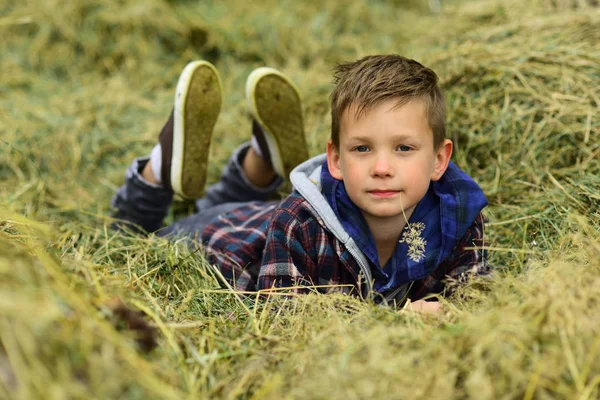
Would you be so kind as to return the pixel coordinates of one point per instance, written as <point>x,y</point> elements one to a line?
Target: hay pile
<point>86,86</point>
<point>524,102</point>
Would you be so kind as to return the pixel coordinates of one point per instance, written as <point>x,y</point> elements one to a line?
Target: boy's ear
<point>333,161</point>
<point>442,158</point>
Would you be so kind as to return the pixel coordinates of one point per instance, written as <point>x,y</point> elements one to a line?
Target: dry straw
<point>85,88</point>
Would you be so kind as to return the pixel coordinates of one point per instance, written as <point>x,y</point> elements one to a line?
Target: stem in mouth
<point>403,213</point>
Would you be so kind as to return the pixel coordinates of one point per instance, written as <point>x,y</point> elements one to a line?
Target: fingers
<point>423,307</point>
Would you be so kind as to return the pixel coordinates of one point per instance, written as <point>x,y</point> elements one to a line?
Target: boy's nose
<point>382,167</point>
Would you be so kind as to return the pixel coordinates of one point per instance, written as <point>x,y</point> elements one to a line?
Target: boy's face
<point>386,158</point>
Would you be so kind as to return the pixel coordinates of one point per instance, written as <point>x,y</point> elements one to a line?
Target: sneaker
<point>185,138</point>
<point>277,124</point>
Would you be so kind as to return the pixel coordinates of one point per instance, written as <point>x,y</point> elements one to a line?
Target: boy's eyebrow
<point>395,137</point>
<point>360,138</point>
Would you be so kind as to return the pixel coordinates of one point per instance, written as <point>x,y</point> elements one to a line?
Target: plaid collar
<point>439,221</point>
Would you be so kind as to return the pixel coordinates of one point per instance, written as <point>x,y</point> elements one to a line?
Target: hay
<point>86,86</point>
<point>524,105</point>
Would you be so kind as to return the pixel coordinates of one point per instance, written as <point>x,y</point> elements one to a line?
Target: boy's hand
<point>423,307</point>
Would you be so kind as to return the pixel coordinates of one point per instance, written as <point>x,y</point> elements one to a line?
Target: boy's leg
<point>139,204</point>
<point>255,171</point>
<point>234,185</point>
<point>178,163</point>
<point>233,191</point>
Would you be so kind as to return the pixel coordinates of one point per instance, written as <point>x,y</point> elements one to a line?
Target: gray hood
<point>306,179</point>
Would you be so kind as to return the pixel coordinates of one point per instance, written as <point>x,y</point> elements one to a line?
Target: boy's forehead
<point>354,113</point>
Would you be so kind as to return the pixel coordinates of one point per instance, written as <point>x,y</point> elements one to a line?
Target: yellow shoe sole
<point>275,103</point>
<point>198,101</point>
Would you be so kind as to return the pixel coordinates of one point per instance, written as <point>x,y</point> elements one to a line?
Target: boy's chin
<point>383,213</point>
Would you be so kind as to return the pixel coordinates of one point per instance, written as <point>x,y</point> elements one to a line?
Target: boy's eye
<point>403,148</point>
<point>362,149</point>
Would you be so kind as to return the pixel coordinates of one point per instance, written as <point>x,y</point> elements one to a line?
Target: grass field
<point>85,87</point>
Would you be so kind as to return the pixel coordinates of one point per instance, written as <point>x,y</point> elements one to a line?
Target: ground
<point>86,86</point>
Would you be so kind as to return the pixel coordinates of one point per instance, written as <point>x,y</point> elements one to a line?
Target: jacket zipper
<point>364,269</point>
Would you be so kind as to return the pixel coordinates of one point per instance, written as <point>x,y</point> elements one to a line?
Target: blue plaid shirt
<point>442,226</point>
<point>261,246</point>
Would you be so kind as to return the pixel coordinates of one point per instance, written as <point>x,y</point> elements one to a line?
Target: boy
<point>383,214</point>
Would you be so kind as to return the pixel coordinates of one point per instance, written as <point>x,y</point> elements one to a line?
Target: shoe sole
<point>275,103</point>
<point>198,100</point>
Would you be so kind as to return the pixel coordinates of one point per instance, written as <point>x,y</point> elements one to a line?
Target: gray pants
<point>142,206</point>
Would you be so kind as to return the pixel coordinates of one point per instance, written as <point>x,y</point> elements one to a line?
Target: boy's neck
<point>386,233</point>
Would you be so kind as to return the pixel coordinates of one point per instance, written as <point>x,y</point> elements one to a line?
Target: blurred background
<point>85,86</point>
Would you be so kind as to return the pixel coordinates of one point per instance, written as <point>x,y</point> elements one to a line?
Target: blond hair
<point>374,79</point>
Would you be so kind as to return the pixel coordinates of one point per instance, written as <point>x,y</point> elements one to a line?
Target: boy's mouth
<point>383,193</point>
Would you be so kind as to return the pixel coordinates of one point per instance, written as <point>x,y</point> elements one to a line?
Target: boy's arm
<point>291,257</point>
<point>469,259</point>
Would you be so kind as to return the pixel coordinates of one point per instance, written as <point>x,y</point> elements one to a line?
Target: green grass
<point>86,86</point>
